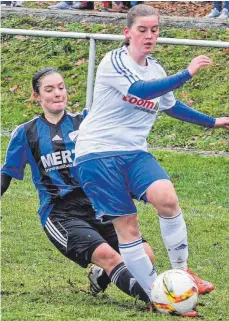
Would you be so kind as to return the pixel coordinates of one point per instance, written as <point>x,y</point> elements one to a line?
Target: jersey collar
<point>42,117</point>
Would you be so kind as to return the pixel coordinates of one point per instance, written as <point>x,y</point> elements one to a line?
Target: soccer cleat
<point>203,286</point>
<point>191,314</point>
<point>93,275</point>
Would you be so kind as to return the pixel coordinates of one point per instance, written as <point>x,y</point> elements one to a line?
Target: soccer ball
<point>174,292</point>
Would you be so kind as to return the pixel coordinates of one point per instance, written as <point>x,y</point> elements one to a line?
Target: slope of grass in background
<point>22,56</point>
<point>38,283</point>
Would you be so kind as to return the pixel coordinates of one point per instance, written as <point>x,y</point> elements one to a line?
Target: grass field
<point>38,283</point>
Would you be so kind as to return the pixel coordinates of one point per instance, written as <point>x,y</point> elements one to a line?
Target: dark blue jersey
<point>49,150</point>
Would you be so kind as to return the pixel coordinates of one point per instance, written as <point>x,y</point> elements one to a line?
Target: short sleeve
<point>16,159</point>
<point>116,71</point>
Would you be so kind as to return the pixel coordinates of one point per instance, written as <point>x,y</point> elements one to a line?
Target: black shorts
<point>72,228</point>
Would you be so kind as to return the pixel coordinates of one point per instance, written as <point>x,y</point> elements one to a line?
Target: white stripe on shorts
<point>55,233</point>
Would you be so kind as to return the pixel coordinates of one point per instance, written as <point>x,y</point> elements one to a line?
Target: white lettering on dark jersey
<point>66,156</point>
<point>47,161</point>
<point>58,158</point>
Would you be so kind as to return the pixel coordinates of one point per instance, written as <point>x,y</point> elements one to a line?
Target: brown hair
<point>39,75</point>
<point>140,10</point>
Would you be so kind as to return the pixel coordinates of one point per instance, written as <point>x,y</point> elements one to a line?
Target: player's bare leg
<point>110,268</point>
<point>133,252</point>
<point>161,194</point>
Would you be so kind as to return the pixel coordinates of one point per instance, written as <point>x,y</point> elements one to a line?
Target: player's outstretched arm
<point>197,63</point>
<point>5,182</point>
<point>155,88</point>
<point>222,122</point>
<point>183,112</point>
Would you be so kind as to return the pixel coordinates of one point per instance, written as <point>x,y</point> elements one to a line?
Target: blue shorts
<point>112,182</point>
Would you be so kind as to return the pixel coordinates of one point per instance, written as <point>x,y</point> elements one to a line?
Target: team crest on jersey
<point>73,135</point>
<point>145,105</point>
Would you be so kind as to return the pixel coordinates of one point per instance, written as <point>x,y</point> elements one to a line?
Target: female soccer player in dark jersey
<point>111,154</point>
<point>47,144</point>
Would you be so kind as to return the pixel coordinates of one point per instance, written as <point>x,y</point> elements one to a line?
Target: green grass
<point>22,56</point>
<point>38,283</point>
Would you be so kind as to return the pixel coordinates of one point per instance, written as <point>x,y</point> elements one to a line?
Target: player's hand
<point>222,122</point>
<point>197,63</point>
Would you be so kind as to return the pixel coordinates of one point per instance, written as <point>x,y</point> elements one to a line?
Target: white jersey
<point>118,121</point>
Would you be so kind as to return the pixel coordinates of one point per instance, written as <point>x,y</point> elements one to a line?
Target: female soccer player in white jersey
<point>111,156</point>
<point>47,144</point>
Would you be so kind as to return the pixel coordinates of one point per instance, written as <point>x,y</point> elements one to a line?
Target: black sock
<point>103,280</point>
<point>125,281</point>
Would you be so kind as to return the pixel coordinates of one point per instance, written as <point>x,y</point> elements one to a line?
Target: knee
<point>168,206</point>
<point>168,202</point>
<point>112,258</point>
<point>106,257</point>
<point>163,197</point>
<point>127,228</point>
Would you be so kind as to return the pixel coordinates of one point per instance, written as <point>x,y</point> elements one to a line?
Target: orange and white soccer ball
<point>174,292</point>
